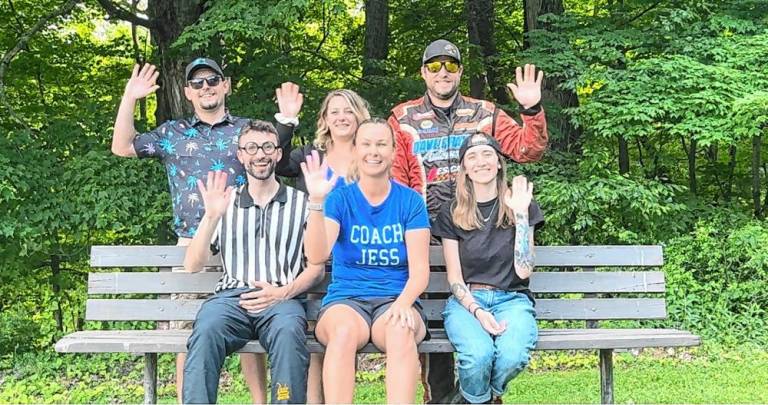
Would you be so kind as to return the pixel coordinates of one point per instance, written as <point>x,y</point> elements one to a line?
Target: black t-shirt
<point>487,255</point>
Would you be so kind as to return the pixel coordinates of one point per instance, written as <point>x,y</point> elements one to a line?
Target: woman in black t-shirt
<point>487,233</point>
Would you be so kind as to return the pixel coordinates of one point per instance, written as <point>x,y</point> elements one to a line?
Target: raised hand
<point>315,172</point>
<point>289,100</point>
<point>216,194</point>
<point>143,82</point>
<point>527,86</point>
<point>518,197</point>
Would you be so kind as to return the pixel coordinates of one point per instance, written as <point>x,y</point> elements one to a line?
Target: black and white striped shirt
<point>264,244</point>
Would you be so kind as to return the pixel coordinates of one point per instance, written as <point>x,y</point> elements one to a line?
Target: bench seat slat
<point>541,282</point>
<point>172,341</point>
<point>546,309</point>
<point>546,256</point>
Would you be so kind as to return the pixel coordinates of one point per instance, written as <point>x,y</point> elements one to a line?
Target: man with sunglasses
<point>259,229</point>
<point>191,147</point>
<point>429,132</point>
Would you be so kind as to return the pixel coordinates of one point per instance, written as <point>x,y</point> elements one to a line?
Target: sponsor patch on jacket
<point>426,124</point>
<point>465,125</point>
<point>465,112</point>
<point>423,116</point>
<point>425,131</point>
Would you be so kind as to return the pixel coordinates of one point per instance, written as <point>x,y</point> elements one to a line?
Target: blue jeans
<point>487,363</point>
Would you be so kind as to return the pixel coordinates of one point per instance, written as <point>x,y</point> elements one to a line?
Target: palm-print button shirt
<point>190,148</point>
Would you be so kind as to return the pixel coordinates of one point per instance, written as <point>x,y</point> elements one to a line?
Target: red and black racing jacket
<point>427,142</point>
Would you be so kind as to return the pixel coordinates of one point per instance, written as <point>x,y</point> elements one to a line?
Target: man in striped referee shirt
<point>259,230</point>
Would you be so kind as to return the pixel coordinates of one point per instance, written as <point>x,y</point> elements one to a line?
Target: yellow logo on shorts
<point>283,393</point>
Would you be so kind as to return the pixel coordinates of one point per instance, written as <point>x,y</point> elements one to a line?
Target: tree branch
<point>21,44</point>
<point>642,13</point>
<point>116,11</point>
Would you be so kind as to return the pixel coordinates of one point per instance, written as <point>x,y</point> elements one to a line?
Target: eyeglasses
<point>212,81</point>
<point>252,148</point>
<point>450,66</point>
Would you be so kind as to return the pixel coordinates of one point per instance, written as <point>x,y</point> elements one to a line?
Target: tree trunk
<point>692,167</point>
<point>376,45</point>
<point>757,143</point>
<point>481,36</point>
<point>56,287</point>
<point>731,170</point>
<point>623,156</point>
<point>565,136</point>
<point>171,18</point>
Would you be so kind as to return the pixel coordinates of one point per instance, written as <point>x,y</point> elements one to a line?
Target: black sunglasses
<point>212,81</point>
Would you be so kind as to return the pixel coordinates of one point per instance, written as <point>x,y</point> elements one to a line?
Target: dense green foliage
<point>683,83</point>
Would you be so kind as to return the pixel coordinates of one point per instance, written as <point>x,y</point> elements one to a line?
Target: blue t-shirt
<point>370,259</point>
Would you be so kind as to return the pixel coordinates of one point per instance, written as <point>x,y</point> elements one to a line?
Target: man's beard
<point>211,105</point>
<point>447,96</point>
<point>265,174</point>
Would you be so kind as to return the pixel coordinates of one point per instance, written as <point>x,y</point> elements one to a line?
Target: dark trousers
<point>222,327</point>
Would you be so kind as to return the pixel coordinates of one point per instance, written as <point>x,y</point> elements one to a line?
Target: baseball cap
<point>441,47</point>
<point>479,139</point>
<point>200,63</point>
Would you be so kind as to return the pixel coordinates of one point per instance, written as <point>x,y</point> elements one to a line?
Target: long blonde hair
<point>323,133</point>
<point>353,173</point>
<point>465,212</point>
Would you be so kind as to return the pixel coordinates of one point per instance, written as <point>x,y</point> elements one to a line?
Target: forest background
<point>657,112</point>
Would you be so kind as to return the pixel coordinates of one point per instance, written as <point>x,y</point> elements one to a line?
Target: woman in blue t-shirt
<point>378,232</point>
<point>340,113</point>
<point>489,319</point>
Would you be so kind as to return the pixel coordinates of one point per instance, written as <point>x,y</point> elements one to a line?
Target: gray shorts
<point>370,309</point>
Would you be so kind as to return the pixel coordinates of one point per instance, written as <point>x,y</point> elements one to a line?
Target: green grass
<point>711,376</point>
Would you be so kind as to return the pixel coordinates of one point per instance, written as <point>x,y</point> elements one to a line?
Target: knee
<point>207,331</point>
<point>514,358</point>
<point>400,340</point>
<point>343,336</point>
<point>479,357</point>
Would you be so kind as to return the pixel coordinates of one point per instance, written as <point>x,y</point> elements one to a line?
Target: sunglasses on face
<point>212,81</point>
<point>450,66</point>
<point>252,148</point>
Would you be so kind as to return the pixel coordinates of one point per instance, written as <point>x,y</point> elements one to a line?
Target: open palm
<point>289,100</point>
<point>315,172</point>
<point>216,194</point>
<point>143,82</point>
<point>527,86</point>
<point>519,197</point>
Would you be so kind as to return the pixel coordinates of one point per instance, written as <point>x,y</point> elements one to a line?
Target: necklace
<point>490,214</point>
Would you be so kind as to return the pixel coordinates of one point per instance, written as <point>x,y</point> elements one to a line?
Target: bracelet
<point>474,313</point>
<point>470,306</point>
<point>314,206</point>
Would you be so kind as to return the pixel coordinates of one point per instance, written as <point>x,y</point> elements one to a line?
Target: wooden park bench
<point>574,292</point>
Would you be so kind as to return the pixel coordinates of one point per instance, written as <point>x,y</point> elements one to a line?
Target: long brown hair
<point>465,213</point>
<point>323,133</point>
<point>353,174</point>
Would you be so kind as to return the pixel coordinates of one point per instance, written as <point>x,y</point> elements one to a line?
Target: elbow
<point>122,152</point>
<point>191,265</point>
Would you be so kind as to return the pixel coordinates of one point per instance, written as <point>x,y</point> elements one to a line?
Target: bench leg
<point>150,378</point>
<point>606,376</point>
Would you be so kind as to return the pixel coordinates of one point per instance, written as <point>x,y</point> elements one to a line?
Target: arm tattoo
<point>523,251</point>
<point>459,290</point>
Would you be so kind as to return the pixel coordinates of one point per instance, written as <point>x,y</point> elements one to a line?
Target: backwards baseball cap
<point>479,139</point>
<point>441,47</point>
<point>201,63</point>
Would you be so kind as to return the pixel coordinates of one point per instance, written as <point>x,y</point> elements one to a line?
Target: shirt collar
<point>226,118</point>
<point>246,201</point>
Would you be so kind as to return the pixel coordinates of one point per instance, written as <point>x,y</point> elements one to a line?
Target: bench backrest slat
<point>546,256</point>
<point>547,309</point>
<point>541,282</point>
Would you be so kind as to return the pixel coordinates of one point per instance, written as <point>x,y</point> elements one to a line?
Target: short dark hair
<point>260,126</point>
